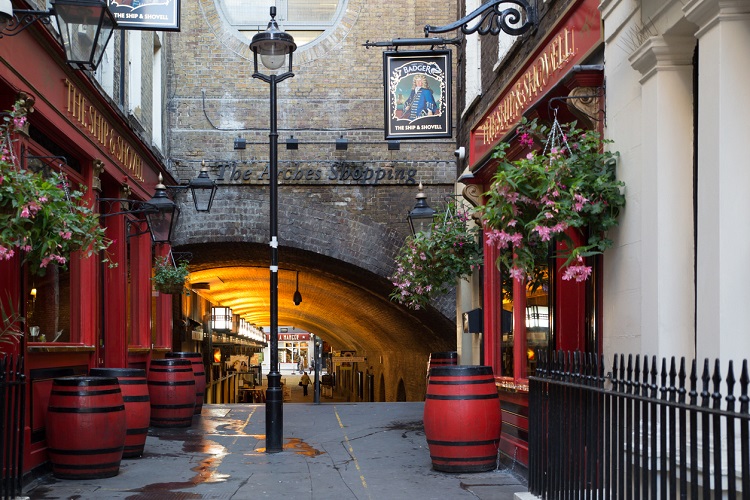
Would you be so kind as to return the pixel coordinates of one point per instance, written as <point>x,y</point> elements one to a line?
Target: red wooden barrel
<point>171,387</point>
<point>462,418</point>
<point>137,406</point>
<point>199,372</point>
<point>443,358</point>
<point>85,427</point>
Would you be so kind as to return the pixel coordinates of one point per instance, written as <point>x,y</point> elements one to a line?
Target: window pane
<point>247,12</point>
<point>321,11</point>
<point>537,319</point>
<point>506,328</point>
<point>48,315</point>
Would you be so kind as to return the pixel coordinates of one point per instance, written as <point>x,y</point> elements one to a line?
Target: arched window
<point>305,20</point>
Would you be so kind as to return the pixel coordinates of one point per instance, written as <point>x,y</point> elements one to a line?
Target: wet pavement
<point>334,450</point>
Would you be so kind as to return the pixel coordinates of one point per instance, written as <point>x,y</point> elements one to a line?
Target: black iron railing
<point>13,409</point>
<point>639,431</point>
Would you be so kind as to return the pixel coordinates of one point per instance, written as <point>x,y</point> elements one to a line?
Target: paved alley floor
<point>333,451</point>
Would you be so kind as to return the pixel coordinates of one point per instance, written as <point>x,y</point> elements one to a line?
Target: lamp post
<point>273,45</point>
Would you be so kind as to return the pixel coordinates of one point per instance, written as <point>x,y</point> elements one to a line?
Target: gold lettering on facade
<point>95,124</point>
<point>528,87</point>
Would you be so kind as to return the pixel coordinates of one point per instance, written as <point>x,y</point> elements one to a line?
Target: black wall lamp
<point>240,143</point>
<point>160,212</point>
<point>85,27</point>
<point>292,143</point>
<point>342,144</point>
<point>422,215</point>
<point>203,189</point>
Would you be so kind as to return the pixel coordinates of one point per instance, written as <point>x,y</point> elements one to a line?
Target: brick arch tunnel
<point>347,305</point>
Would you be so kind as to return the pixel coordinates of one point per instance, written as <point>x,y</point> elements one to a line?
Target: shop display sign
<point>578,34</point>
<point>160,15</point>
<point>417,94</point>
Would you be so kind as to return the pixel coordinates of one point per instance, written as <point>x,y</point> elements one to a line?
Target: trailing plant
<point>430,265</point>
<point>41,215</point>
<point>169,276</point>
<point>535,201</point>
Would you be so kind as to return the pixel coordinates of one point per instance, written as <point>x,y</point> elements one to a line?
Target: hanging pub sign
<point>155,15</point>
<point>417,94</point>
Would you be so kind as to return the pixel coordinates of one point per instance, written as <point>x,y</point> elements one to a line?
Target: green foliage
<point>430,265</point>
<point>168,276</point>
<point>41,215</point>
<point>534,201</point>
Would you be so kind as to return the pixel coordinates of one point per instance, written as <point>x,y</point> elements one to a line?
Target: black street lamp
<point>273,45</point>
<point>160,212</point>
<point>422,215</point>
<point>85,27</point>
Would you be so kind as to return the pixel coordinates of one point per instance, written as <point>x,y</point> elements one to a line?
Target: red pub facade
<point>90,314</point>
<point>560,73</point>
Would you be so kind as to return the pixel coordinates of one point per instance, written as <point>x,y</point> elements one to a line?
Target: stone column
<point>667,244</point>
<point>723,267</point>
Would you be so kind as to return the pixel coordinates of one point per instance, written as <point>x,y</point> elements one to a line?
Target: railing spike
<point>730,386</point>
<point>705,378</point>
<point>682,377</point>
<point>716,396</point>
<point>694,382</point>
<point>744,382</point>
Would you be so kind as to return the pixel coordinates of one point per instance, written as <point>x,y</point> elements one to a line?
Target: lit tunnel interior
<point>347,306</point>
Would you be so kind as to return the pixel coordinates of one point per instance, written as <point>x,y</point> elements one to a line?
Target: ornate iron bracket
<point>131,207</point>
<point>514,20</point>
<point>22,19</point>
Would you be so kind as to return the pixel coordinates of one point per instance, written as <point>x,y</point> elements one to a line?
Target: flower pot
<point>174,289</point>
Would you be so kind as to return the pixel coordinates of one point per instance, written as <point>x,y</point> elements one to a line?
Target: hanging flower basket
<point>430,265</point>
<point>43,218</point>
<point>535,201</point>
<point>169,276</point>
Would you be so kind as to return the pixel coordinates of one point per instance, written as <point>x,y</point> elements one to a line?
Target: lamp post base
<point>274,414</point>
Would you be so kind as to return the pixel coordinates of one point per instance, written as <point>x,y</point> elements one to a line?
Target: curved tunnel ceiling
<point>345,305</point>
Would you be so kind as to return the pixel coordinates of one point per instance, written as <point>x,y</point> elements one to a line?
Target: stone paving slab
<point>332,451</point>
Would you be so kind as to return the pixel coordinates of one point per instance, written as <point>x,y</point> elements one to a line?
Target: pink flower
<point>66,235</point>
<point>526,140</point>
<point>25,212</point>
<point>530,156</point>
<point>579,271</point>
<point>501,238</point>
<point>517,273</point>
<point>6,253</point>
<point>580,202</point>
<point>544,232</point>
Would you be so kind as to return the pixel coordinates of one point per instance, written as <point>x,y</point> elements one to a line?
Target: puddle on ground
<point>297,446</point>
<point>205,473</point>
